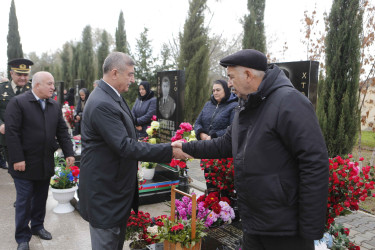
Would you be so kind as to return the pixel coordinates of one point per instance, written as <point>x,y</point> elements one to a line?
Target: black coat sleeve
<point>13,118</point>
<point>116,136</point>
<point>211,149</point>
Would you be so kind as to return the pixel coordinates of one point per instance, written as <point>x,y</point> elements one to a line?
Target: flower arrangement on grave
<point>153,137</point>
<point>220,174</point>
<point>211,209</point>
<point>153,132</point>
<point>179,231</point>
<point>136,229</point>
<point>68,112</point>
<point>185,134</point>
<point>348,186</point>
<point>65,177</point>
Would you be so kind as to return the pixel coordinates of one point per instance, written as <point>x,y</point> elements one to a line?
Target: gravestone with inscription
<point>304,77</point>
<point>170,94</point>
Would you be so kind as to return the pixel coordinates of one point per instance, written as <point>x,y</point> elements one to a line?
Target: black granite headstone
<point>60,92</point>
<point>170,94</point>
<point>304,77</point>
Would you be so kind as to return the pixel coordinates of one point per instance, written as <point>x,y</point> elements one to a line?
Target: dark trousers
<point>261,242</point>
<point>107,239</point>
<point>30,207</point>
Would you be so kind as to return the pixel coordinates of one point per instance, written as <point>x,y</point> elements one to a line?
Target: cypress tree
<point>145,67</point>
<point>86,67</point>
<point>254,36</point>
<point>121,35</point>
<point>103,52</point>
<point>145,62</point>
<point>65,57</point>
<point>338,104</point>
<point>194,59</point>
<point>76,50</point>
<point>14,49</point>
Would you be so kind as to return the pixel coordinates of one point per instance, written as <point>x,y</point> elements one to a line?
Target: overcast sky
<point>45,25</point>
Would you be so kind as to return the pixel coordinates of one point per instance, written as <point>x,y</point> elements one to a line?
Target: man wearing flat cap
<point>280,157</point>
<point>19,71</point>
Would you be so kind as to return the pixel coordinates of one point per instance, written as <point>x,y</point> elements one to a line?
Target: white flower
<point>149,131</point>
<point>153,230</point>
<point>155,125</point>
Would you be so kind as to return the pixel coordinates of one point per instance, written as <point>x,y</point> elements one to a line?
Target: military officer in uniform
<point>19,71</point>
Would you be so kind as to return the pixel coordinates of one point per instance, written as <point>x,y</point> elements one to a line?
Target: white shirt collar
<point>113,88</point>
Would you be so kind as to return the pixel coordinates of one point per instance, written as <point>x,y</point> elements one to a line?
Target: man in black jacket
<point>33,122</point>
<point>110,152</point>
<point>280,157</point>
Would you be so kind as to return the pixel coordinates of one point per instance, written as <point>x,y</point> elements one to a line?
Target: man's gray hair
<point>38,76</point>
<point>117,60</point>
<point>257,73</point>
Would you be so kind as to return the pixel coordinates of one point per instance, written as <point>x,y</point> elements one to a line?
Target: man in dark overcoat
<point>279,154</point>
<point>110,152</point>
<point>19,71</point>
<point>34,121</point>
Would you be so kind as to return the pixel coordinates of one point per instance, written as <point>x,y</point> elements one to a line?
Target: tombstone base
<point>224,237</point>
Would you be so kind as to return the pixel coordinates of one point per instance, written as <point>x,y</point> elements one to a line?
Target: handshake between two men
<point>178,153</point>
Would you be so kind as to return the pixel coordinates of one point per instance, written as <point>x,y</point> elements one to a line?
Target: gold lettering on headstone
<point>304,75</point>
<point>303,93</point>
<point>175,88</point>
<point>303,84</point>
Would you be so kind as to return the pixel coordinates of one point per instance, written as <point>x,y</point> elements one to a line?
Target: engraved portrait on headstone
<point>167,105</point>
<point>170,94</point>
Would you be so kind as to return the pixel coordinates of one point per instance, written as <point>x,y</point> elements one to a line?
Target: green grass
<point>368,139</point>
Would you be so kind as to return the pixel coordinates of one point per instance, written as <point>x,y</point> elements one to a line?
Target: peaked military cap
<point>249,58</point>
<point>20,65</point>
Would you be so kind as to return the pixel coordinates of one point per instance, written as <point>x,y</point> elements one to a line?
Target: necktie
<point>42,103</point>
<point>18,91</point>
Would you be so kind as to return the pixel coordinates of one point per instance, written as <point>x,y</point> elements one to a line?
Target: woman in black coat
<point>83,94</point>
<point>144,108</point>
<point>69,97</point>
<point>216,115</point>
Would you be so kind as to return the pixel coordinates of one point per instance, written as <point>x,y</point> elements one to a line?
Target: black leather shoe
<point>23,246</point>
<point>4,166</point>
<point>43,234</point>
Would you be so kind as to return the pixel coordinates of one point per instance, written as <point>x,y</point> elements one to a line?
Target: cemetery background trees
<point>121,43</point>
<point>14,49</point>
<point>103,52</point>
<point>144,67</point>
<point>86,69</point>
<point>194,59</point>
<point>65,56</point>
<point>254,36</point>
<point>338,104</point>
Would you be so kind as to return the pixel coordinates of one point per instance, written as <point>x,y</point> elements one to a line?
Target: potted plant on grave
<point>64,184</point>
<point>178,233</point>
<point>153,132</point>
<point>181,233</point>
<point>136,229</point>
